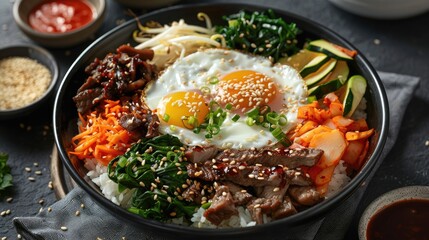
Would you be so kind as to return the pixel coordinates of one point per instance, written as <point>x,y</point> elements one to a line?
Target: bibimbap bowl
<point>66,121</point>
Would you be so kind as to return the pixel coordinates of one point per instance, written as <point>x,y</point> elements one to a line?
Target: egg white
<point>192,73</point>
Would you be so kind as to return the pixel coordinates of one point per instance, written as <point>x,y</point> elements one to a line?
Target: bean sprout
<point>177,40</point>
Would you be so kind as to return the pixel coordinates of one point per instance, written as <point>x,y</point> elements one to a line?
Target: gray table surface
<point>400,46</point>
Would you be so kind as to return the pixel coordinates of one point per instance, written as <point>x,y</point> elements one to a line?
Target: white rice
<point>339,180</point>
<point>98,174</point>
<point>243,219</point>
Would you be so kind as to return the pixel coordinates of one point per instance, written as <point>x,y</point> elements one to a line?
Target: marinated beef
<point>286,157</point>
<point>199,154</point>
<point>284,210</point>
<point>222,206</point>
<point>117,75</point>
<point>307,196</point>
<point>240,195</point>
<point>243,175</point>
<point>258,179</point>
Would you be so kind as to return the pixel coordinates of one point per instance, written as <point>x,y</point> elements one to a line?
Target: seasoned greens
<point>260,33</point>
<point>5,177</point>
<point>157,169</point>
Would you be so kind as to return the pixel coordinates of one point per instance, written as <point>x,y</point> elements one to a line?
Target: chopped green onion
<point>213,80</point>
<point>282,120</point>
<point>228,106</point>
<point>193,121</point>
<point>272,117</point>
<point>250,121</point>
<point>235,118</point>
<point>166,117</point>
<point>173,128</point>
<point>278,133</point>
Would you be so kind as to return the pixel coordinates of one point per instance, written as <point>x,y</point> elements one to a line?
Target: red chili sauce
<point>59,16</point>
<point>405,219</point>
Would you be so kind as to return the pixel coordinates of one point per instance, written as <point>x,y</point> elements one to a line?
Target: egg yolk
<point>246,89</point>
<point>183,109</point>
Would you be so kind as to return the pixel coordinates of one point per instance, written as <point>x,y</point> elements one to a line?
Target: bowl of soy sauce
<point>402,213</point>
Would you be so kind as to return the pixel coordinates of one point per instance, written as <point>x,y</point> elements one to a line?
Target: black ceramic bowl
<point>65,116</point>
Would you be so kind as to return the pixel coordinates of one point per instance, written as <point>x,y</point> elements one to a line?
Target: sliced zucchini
<point>356,87</point>
<point>325,88</point>
<point>300,59</point>
<point>340,72</point>
<point>315,64</point>
<point>321,73</point>
<point>329,49</point>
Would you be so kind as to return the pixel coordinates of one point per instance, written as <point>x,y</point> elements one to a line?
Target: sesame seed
<point>261,178</point>
<point>36,164</point>
<point>31,179</point>
<point>377,41</point>
<point>9,199</point>
<point>82,205</point>
<point>257,206</point>
<point>3,213</point>
<point>77,213</point>
<point>251,176</point>
<point>427,143</point>
<point>49,209</point>
<point>276,189</point>
<point>64,228</point>
<point>41,201</point>
<point>224,194</point>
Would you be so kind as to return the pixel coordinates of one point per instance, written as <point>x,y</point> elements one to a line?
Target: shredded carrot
<point>101,137</point>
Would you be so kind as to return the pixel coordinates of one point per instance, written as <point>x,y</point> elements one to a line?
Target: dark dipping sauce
<point>59,16</point>
<point>405,220</point>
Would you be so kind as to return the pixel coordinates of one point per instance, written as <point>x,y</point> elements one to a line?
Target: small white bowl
<point>404,193</point>
<point>22,9</point>
<point>384,9</point>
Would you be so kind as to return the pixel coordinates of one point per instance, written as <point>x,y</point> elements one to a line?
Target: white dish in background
<point>384,9</point>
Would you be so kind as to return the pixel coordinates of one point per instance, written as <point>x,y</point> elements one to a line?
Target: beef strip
<point>260,206</point>
<point>298,178</point>
<point>222,206</point>
<point>287,157</point>
<point>307,196</point>
<point>239,174</point>
<point>198,154</point>
<point>284,210</point>
<point>240,195</point>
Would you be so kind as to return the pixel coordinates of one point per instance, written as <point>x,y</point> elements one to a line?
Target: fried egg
<point>236,82</point>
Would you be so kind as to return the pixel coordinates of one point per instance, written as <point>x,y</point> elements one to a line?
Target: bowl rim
<point>52,84</point>
<point>294,220</point>
<point>23,24</point>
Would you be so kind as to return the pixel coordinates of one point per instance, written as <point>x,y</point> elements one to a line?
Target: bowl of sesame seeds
<point>29,74</point>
